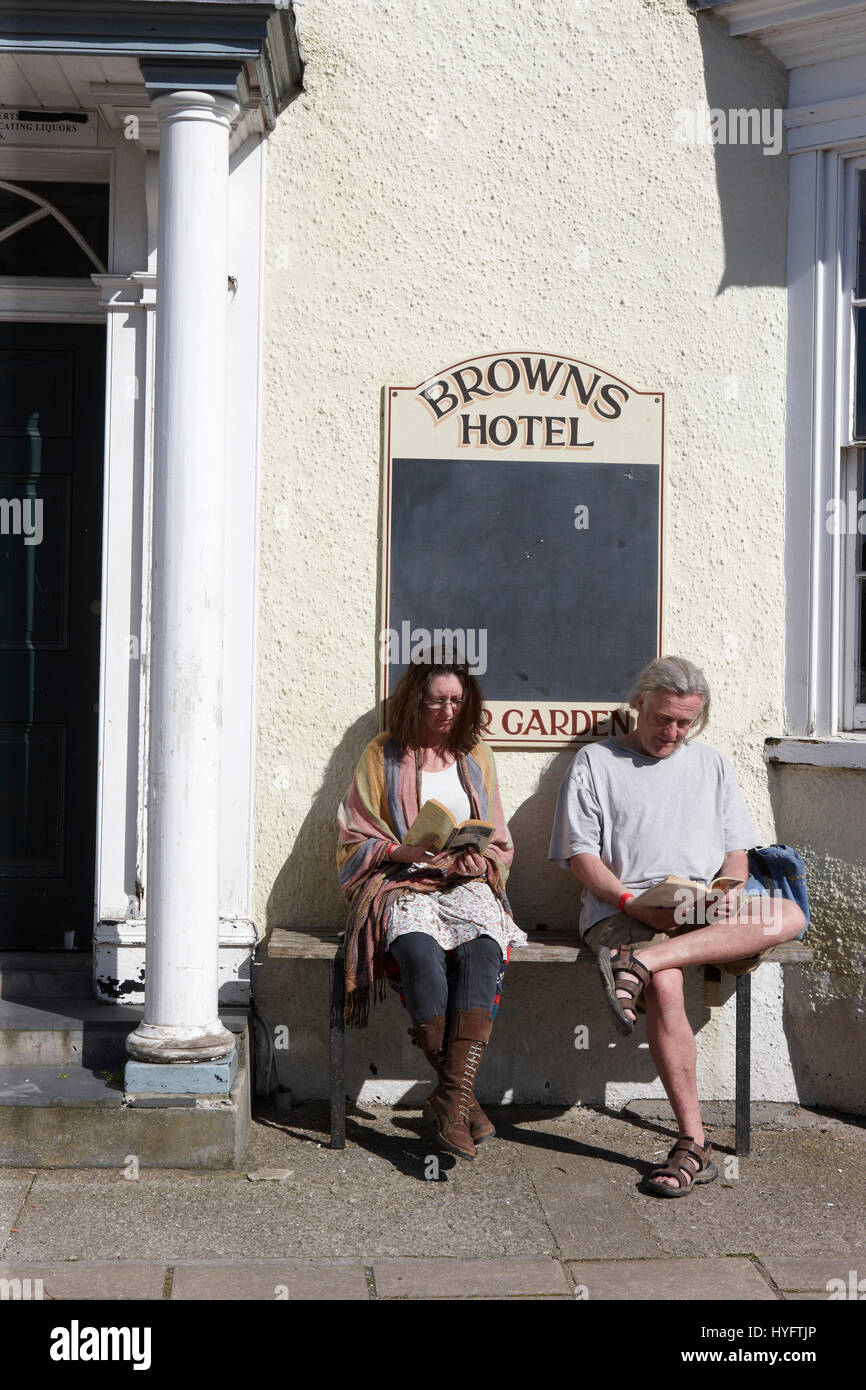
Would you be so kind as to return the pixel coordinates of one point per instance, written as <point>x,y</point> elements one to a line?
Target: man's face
<point>664,720</point>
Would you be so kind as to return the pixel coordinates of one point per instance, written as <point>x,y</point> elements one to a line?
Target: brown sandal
<point>688,1163</point>
<point>615,963</point>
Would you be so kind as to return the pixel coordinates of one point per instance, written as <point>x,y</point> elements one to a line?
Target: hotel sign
<point>522,525</point>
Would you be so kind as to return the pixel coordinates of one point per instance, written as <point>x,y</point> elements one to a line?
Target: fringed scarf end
<point>356,1009</point>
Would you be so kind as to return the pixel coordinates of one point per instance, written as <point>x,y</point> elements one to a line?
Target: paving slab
<point>14,1185</point>
<point>468,1278</point>
<point>789,1198</point>
<point>797,1194</point>
<point>814,1275</point>
<point>291,1280</point>
<point>556,1185</point>
<point>388,1194</point>
<point>86,1281</point>
<point>588,1191</point>
<point>683,1280</point>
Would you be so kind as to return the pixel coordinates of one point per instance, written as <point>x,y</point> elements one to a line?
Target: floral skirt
<point>455,915</point>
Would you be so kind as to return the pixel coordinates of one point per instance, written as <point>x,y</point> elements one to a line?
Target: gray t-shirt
<point>648,817</point>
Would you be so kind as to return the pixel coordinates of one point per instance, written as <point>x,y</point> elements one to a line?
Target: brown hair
<point>406,707</point>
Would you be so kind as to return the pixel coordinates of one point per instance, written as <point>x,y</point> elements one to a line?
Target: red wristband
<point>623,899</point>
<point>388,851</point>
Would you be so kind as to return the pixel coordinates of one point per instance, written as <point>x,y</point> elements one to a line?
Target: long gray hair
<point>680,677</point>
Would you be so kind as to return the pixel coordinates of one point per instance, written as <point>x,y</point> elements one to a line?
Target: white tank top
<point>446,788</point>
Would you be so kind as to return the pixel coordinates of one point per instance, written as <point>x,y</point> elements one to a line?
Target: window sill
<point>846,750</point>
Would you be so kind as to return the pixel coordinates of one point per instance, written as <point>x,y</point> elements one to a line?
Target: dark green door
<point>52,423</point>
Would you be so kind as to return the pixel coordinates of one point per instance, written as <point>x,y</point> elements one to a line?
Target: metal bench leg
<point>337,1038</point>
<point>742,1140</point>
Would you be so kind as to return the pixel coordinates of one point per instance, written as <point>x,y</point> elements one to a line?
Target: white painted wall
<point>443,189</point>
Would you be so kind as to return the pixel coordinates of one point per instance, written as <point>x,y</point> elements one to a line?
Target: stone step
<point>66,1032</point>
<point>92,1125</point>
<point>28,974</point>
<point>68,1115</point>
<point>74,1086</point>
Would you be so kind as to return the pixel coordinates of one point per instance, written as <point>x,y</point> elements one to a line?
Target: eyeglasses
<point>440,704</point>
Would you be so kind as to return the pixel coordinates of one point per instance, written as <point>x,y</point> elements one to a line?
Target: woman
<point>441,921</point>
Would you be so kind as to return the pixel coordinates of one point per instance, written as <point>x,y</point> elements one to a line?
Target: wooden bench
<point>543,948</point>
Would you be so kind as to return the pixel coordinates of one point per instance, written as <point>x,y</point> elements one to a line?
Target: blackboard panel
<point>492,545</point>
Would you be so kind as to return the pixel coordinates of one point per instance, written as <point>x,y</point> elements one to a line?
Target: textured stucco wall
<point>444,188</point>
<point>823,812</point>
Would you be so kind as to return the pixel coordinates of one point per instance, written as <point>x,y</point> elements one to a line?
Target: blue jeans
<point>436,982</point>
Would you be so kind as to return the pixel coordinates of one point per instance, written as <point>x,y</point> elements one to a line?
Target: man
<point>632,810</point>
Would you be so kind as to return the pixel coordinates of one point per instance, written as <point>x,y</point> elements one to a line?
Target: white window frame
<point>853,711</point>
<point>826,141</point>
<point>822,239</point>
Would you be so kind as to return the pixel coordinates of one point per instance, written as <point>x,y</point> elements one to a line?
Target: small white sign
<point>20,126</point>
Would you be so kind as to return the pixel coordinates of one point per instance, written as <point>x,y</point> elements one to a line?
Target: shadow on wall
<point>553,1043</point>
<point>540,893</point>
<point>742,76</point>
<point>538,1053</point>
<point>306,892</point>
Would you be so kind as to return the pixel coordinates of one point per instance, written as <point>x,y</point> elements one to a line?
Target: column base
<point>180,1078</point>
<point>156,1042</point>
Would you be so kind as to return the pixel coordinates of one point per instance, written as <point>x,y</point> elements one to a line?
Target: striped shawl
<point>376,812</point>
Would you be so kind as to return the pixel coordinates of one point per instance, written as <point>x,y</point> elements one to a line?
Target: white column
<point>181,1020</point>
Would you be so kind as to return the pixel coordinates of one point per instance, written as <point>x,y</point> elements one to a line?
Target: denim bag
<point>780,869</point>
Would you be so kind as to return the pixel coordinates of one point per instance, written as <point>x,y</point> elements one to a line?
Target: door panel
<point>52,421</point>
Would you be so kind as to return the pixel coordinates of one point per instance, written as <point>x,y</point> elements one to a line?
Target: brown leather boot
<point>450,1104</point>
<point>430,1037</point>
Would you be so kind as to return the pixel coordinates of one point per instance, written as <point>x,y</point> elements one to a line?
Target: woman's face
<point>439,708</point>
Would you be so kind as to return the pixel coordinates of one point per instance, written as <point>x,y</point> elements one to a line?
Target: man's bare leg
<point>673,1049</point>
<point>671,1041</point>
<point>734,940</point>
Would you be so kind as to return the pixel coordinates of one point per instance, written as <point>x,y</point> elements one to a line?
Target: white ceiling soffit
<point>798,32</point>
<point>60,39</point>
<point>112,86</point>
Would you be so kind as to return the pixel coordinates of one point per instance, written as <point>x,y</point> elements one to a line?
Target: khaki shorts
<point>621,930</point>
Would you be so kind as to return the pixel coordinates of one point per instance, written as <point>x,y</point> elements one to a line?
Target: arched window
<point>53,229</point>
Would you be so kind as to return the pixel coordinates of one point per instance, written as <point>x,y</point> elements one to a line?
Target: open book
<point>436,820</point>
<point>670,891</point>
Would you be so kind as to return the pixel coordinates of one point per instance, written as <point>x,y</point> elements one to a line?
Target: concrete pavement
<point>550,1211</point>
